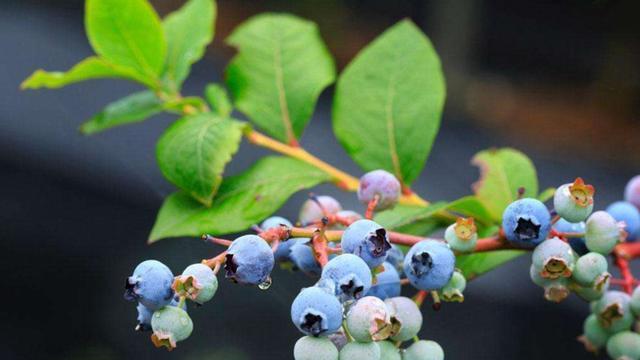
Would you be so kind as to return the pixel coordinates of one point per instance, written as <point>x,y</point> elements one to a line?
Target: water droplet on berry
<point>265,284</point>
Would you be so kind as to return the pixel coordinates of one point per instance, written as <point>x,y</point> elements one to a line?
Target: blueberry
<point>150,285</point>
<point>574,202</point>
<point>350,274</point>
<point>348,215</point>
<point>594,336</point>
<point>613,311</point>
<point>249,260</point>
<point>632,191</point>
<point>314,348</point>
<point>554,258</point>
<point>368,240</point>
<point>429,264</point>
<point>555,290</point>
<point>144,314</point>
<point>406,313</point>
<point>301,254</point>
<point>388,351</point>
<point>462,235</point>
<point>526,222</point>
<point>635,302</point>
<point>424,350</point>
<point>360,351</point>
<point>316,312</point>
<point>591,269</point>
<point>197,283</point>
<point>602,233</point>
<point>170,325</point>
<point>577,243</point>
<point>627,212</point>
<point>283,251</point>
<point>275,221</point>
<point>387,283</point>
<point>452,292</point>
<point>311,212</point>
<point>624,346</point>
<point>368,320</point>
<point>382,184</point>
<point>592,293</point>
<point>395,257</point>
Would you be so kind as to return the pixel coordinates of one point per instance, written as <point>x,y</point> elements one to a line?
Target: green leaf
<point>414,220</point>
<point>217,97</point>
<point>188,31</point>
<point>474,265</point>
<point>546,194</point>
<point>502,173</point>
<point>88,69</point>
<point>388,102</point>
<point>281,67</point>
<point>194,151</point>
<point>471,206</point>
<point>241,201</point>
<point>127,33</point>
<point>133,108</point>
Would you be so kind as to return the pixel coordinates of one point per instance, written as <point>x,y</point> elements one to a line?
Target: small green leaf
<point>414,220</point>
<point>241,201</point>
<point>471,206</point>
<point>217,97</point>
<point>133,108</point>
<point>127,33</point>
<point>388,102</point>
<point>502,173</point>
<point>281,67</point>
<point>194,151</point>
<point>547,194</point>
<point>188,31</point>
<point>474,265</point>
<point>88,69</point>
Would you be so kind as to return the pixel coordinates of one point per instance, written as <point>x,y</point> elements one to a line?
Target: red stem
<point>625,271</point>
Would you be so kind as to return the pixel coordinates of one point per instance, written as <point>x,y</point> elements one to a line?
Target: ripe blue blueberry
<point>316,312</point>
<point>395,257</point>
<point>275,221</point>
<point>314,348</point>
<point>624,346</point>
<point>387,283</point>
<point>424,349</point>
<point>350,274</point>
<point>368,240</point>
<point>627,212</point>
<point>303,258</point>
<point>380,184</point>
<point>150,284</point>
<point>602,233</point>
<point>311,212</point>
<point>554,258</point>
<point>577,243</point>
<point>404,312</point>
<point>429,264</point>
<point>574,202</point>
<point>283,251</point>
<point>170,325</point>
<point>368,320</point>
<point>526,222</point>
<point>197,283</point>
<point>632,191</point>
<point>249,260</point>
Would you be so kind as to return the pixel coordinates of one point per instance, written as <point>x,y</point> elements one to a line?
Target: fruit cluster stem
<point>625,271</point>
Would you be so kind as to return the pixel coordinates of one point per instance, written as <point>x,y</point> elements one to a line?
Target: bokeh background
<point>559,80</point>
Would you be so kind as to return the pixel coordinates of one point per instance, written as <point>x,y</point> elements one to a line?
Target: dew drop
<point>265,284</point>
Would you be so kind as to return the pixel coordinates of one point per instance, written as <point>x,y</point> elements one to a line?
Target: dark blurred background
<point>556,79</point>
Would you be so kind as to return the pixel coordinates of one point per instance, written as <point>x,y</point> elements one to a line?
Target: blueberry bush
<point>387,107</point>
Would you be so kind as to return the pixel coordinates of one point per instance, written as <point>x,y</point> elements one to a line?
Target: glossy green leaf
<point>414,220</point>
<point>474,265</point>
<point>388,102</point>
<point>281,67</point>
<point>241,201</point>
<point>502,173</point>
<point>88,69</point>
<point>471,206</point>
<point>127,33</point>
<point>217,97</point>
<point>133,108</point>
<point>194,151</point>
<point>546,194</point>
<point>188,31</point>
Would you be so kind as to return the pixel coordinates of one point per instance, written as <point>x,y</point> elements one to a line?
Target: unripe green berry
<point>635,302</point>
<point>574,202</point>
<point>314,348</point>
<point>602,233</point>
<point>594,336</point>
<point>591,269</point>
<point>452,292</point>
<point>424,350</point>
<point>197,282</point>
<point>555,290</point>
<point>404,311</point>
<point>553,259</point>
<point>591,293</point>
<point>170,325</point>
<point>462,235</point>
<point>368,320</point>
<point>613,311</point>
<point>624,346</point>
<point>388,351</point>
<point>360,351</point>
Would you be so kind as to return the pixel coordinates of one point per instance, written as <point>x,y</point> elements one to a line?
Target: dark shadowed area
<point>557,80</point>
